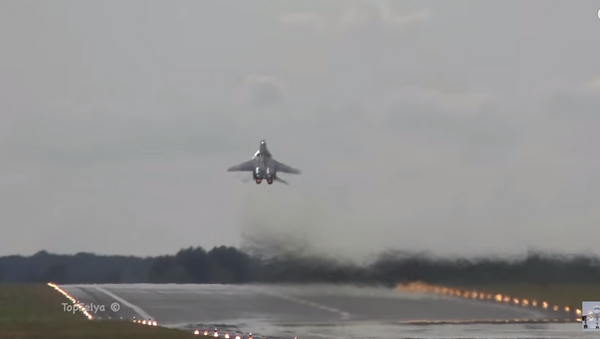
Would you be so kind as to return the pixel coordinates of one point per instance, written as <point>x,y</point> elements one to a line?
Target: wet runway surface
<point>314,311</point>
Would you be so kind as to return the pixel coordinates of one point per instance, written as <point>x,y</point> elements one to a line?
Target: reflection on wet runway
<point>319,311</point>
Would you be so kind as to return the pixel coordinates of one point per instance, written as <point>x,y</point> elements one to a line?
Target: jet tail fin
<point>281,180</point>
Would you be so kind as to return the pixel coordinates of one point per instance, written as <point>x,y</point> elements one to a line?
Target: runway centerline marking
<point>344,315</point>
<point>137,309</point>
<point>324,335</point>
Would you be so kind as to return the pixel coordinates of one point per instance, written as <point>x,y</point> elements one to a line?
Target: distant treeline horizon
<point>229,265</point>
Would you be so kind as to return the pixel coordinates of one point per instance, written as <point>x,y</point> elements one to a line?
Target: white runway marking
<point>344,315</point>
<point>137,309</point>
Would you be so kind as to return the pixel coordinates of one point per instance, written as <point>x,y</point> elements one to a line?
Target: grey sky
<point>448,126</point>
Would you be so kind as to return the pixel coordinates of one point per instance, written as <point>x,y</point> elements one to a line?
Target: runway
<point>312,311</point>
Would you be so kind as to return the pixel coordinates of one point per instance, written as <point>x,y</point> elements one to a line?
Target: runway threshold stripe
<point>137,309</point>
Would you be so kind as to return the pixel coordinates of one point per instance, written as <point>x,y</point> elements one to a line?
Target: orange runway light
<point>524,302</point>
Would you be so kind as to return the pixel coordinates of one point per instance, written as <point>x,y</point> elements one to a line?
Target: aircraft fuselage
<point>264,170</point>
<point>263,166</point>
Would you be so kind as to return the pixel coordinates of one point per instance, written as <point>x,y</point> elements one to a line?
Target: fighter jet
<point>264,167</point>
<point>594,314</point>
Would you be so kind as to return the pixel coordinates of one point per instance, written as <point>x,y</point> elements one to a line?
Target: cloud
<point>575,101</point>
<point>379,14</point>
<point>122,121</point>
<point>302,19</point>
<point>567,121</point>
<point>359,17</point>
<point>466,121</point>
<point>263,90</point>
<point>430,99</point>
<point>413,131</point>
<point>421,15</point>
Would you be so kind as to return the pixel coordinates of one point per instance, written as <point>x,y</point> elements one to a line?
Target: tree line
<point>229,265</point>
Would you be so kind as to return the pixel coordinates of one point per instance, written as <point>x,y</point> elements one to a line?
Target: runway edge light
<point>77,304</point>
<point>81,307</point>
<point>421,287</point>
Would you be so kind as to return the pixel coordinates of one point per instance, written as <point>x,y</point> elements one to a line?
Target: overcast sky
<point>452,127</point>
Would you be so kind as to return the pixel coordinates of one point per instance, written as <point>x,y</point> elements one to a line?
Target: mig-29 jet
<point>264,167</point>
<point>593,314</point>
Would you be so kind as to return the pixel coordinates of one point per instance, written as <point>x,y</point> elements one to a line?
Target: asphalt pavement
<point>281,310</point>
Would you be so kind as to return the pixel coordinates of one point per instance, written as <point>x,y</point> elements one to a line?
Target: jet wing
<point>285,168</point>
<point>247,166</point>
